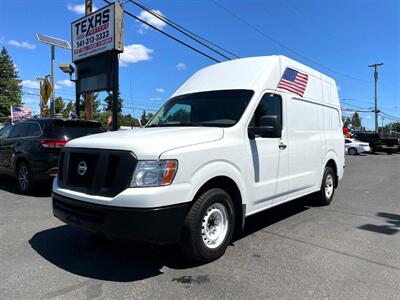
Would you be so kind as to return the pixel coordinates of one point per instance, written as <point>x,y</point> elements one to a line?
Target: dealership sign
<point>99,32</point>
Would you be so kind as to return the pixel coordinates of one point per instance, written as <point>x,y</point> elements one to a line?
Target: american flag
<point>293,81</point>
<point>20,113</point>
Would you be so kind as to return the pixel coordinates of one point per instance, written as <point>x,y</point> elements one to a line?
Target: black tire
<point>194,239</point>
<point>352,151</point>
<point>24,178</point>
<point>324,198</point>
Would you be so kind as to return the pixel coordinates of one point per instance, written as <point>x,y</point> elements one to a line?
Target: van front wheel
<point>327,191</point>
<point>208,226</point>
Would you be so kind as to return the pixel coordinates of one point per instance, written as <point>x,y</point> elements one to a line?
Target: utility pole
<point>376,111</point>
<point>89,96</point>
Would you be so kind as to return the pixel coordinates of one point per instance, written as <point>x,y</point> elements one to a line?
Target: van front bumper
<point>160,225</point>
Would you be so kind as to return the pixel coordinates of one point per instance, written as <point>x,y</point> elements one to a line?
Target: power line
<point>141,108</point>
<point>390,116</point>
<point>356,100</point>
<point>356,106</point>
<point>185,31</point>
<point>33,94</point>
<point>167,34</point>
<point>355,110</point>
<point>255,28</point>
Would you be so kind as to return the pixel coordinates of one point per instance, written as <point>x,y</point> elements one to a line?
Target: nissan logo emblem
<point>82,168</point>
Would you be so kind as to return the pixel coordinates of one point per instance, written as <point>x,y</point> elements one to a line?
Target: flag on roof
<point>293,81</point>
<point>20,113</point>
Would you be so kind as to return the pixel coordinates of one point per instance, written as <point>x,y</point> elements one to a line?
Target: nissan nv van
<point>235,139</point>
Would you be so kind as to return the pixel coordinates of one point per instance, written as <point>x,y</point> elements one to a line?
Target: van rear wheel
<point>325,195</point>
<point>209,226</point>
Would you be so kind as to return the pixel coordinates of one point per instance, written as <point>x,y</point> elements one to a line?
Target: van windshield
<point>213,109</point>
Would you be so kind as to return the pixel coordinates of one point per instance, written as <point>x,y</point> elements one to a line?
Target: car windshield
<point>214,109</point>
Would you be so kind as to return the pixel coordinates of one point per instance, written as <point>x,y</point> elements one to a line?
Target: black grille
<point>108,172</point>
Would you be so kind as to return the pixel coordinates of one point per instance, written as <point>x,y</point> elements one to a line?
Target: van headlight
<point>154,173</point>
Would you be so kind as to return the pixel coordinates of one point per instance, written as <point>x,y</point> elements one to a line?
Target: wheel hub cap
<point>23,178</point>
<point>214,226</point>
<point>328,186</point>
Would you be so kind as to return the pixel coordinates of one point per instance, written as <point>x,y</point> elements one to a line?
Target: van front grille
<point>96,171</point>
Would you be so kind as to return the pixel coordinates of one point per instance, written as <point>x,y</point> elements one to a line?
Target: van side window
<point>270,104</point>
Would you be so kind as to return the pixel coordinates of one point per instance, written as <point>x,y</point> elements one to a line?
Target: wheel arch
<point>229,185</point>
<point>332,164</point>
<point>17,162</point>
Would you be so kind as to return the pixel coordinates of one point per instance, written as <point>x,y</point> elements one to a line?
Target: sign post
<point>53,42</point>
<point>97,39</point>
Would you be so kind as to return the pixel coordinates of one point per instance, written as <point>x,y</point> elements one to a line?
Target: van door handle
<point>282,146</point>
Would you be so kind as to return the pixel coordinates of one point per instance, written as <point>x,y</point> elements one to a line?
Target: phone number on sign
<point>95,38</point>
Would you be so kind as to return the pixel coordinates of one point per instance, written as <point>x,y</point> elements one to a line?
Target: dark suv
<point>29,150</point>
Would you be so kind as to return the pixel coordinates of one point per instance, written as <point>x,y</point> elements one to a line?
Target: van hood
<point>149,143</point>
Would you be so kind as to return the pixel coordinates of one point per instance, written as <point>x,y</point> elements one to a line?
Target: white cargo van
<point>237,138</point>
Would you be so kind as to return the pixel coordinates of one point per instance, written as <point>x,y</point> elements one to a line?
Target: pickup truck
<point>378,144</point>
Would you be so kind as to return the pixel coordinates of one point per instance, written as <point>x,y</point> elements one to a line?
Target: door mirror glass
<point>270,126</point>
<point>267,118</point>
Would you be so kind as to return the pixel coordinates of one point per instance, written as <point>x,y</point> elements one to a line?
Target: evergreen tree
<point>109,102</point>
<point>68,109</point>
<point>356,120</point>
<point>346,121</point>
<point>143,118</point>
<point>96,106</point>
<point>393,126</point>
<point>10,90</point>
<point>59,105</point>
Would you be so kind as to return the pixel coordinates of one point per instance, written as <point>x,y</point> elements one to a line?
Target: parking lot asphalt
<point>348,250</point>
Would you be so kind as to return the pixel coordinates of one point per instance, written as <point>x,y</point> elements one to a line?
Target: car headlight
<point>154,173</point>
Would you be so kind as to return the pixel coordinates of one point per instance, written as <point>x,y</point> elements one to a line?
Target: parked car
<point>377,144</point>
<point>354,147</point>
<point>29,150</point>
<point>229,143</point>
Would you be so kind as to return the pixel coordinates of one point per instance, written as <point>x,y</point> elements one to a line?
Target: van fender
<point>214,169</point>
<point>331,155</point>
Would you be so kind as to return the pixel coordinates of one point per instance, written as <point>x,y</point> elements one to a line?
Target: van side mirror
<point>270,126</point>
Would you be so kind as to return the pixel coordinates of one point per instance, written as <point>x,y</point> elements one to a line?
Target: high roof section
<point>258,74</point>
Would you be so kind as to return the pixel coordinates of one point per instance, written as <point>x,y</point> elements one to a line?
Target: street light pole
<point>53,42</point>
<point>375,66</point>
<point>52,104</point>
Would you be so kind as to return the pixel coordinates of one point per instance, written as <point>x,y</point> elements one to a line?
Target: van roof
<point>258,74</point>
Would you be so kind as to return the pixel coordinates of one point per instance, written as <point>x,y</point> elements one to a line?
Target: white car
<point>354,147</point>
<point>228,144</point>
